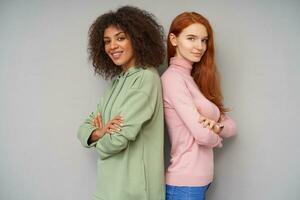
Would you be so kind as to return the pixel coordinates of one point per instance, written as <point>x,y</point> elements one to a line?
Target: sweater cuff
<point>86,135</point>
<point>219,142</point>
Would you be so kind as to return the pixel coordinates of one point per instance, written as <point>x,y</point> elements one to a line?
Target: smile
<point>197,54</point>
<point>116,55</point>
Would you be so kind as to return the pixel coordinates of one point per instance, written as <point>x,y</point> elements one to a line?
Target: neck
<point>180,57</point>
<point>181,64</point>
<point>125,68</point>
<point>128,65</point>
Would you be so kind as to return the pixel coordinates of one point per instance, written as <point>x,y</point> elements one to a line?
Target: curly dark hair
<point>147,37</point>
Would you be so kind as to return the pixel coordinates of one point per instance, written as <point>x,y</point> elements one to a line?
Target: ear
<point>173,39</point>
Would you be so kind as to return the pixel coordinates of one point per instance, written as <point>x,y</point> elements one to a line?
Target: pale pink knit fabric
<point>192,145</point>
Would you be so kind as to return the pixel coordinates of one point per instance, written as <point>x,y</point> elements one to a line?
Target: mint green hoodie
<point>130,164</point>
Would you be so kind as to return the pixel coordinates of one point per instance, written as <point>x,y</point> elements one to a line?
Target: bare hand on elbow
<point>111,127</point>
<point>207,123</point>
<point>211,124</point>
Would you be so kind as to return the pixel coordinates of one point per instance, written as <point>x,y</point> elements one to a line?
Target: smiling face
<point>118,47</point>
<point>191,43</point>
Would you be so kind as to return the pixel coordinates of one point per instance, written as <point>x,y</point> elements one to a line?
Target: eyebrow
<point>116,34</point>
<point>189,35</point>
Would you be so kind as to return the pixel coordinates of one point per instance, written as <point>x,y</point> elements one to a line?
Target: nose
<point>199,46</point>
<point>113,44</point>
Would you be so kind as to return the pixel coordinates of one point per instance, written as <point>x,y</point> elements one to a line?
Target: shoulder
<point>145,79</point>
<point>150,74</point>
<point>172,76</point>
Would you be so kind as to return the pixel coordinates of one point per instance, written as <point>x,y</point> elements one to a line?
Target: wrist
<point>97,134</point>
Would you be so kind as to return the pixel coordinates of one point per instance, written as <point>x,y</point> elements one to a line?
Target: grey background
<point>48,88</point>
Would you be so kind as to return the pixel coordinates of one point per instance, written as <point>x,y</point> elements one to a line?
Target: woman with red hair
<point>193,104</point>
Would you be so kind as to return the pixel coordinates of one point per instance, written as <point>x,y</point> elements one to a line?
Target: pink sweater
<point>192,145</point>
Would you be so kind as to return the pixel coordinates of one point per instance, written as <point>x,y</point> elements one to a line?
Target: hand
<point>218,127</point>
<point>111,126</point>
<point>211,124</point>
<point>207,123</point>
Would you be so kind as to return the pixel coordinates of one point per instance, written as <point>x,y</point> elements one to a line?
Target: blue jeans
<point>186,192</point>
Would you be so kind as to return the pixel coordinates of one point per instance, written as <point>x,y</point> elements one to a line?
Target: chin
<point>196,60</point>
<point>119,63</point>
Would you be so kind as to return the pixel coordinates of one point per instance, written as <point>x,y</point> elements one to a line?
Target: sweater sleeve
<point>136,111</point>
<point>86,129</point>
<point>229,127</point>
<point>178,96</point>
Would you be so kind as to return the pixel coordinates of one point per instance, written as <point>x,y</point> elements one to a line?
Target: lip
<point>116,54</point>
<point>199,55</point>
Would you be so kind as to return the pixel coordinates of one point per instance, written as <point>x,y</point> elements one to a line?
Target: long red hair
<point>204,72</point>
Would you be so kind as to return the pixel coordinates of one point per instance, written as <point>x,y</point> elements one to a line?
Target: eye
<point>106,42</point>
<point>191,38</point>
<point>121,38</point>
<point>204,41</point>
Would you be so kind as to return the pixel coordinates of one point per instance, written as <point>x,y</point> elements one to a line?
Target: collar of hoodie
<point>129,72</point>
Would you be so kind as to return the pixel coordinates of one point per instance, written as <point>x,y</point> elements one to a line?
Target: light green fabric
<point>130,164</point>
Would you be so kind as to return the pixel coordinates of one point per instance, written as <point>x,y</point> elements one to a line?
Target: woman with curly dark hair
<point>127,127</point>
